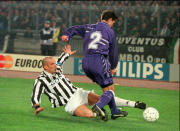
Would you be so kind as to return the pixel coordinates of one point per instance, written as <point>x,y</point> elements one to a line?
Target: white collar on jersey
<point>49,74</point>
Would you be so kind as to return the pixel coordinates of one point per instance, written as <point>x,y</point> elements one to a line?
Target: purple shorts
<point>98,69</point>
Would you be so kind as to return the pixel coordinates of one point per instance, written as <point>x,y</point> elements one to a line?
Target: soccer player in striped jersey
<point>100,57</point>
<point>61,91</point>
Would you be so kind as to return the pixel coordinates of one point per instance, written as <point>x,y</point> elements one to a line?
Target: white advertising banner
<point>19,62</point>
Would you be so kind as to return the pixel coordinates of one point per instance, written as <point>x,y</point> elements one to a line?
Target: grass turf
<point>16,113</point>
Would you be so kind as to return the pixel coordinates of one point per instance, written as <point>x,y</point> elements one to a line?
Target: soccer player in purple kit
<point>100,59</point>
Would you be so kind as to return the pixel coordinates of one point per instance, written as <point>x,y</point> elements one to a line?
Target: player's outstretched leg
<point>128,103</point>
<point>101,113</point>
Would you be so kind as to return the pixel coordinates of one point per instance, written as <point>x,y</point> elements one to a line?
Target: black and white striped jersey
<point>57,87</point>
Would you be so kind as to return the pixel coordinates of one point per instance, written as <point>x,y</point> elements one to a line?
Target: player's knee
<point>111,87</point>
<point>93,98</point>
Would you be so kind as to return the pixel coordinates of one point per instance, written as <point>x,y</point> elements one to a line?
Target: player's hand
<point>64,38</point>
<point>67,49</point>
<point>113,71</point>
<point>38,110</point>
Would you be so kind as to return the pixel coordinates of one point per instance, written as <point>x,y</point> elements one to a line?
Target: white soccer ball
<point>151,114</point>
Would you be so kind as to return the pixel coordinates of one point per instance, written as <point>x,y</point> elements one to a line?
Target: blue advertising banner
<point>134,70</point>
<point>140,70</point>
<point>78,67</point>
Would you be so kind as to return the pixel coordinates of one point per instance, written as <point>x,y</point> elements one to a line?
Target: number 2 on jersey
<point>96,36</point>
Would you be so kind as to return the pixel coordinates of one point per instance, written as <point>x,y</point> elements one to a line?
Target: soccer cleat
<point>101,113</point>
<point>38,110</point>
<point>140,105</point>
<point>120,114</point>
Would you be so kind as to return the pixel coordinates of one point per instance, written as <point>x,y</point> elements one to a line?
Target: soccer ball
<point>151,114</point>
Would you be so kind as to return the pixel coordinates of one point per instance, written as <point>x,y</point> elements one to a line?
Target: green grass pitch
<point>16,113</point>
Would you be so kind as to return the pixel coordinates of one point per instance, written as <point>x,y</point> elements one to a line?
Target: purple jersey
<point>98,39</point>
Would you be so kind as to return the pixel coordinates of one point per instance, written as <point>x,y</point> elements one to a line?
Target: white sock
<point>95,114</point>
<point>123,102</point>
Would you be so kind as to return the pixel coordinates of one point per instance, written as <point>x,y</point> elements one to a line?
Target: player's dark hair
<point>107,14</point>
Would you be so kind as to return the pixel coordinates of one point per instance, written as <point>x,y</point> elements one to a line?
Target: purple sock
<point>113,107</point>
<point>104,99</point>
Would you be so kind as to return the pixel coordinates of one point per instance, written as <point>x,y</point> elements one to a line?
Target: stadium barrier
<point>125,69</point>
<point>30,63</point>
<point>140,70</point>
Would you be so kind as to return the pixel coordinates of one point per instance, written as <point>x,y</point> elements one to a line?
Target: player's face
<point>47,25</point>
<point>111,22</point>
<point>51,66</point>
